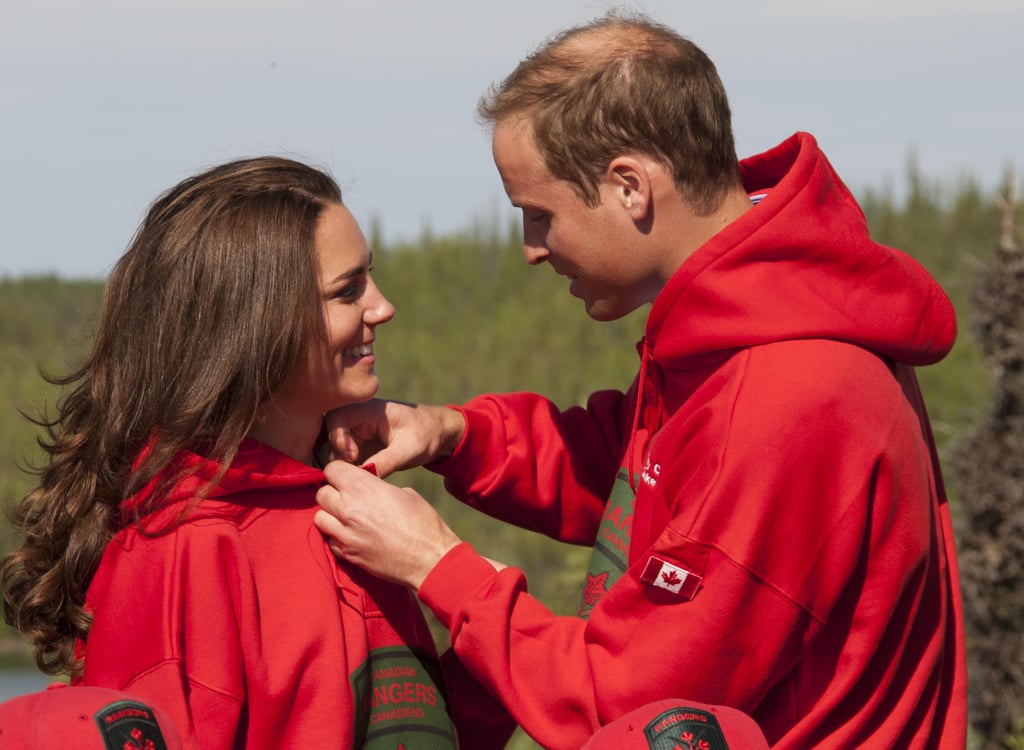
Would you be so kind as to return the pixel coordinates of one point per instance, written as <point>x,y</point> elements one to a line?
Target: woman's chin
<point>364,392</point>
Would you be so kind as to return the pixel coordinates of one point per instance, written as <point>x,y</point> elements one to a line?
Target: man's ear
<point>631,182</point>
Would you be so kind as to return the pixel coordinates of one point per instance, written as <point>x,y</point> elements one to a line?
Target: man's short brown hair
<point>623,83</point>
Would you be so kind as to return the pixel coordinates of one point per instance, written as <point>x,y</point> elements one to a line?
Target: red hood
<point>256,467</point>
<point>799,265</point>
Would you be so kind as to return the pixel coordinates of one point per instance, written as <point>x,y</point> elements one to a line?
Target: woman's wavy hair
<point>204,316</point>
<point>618,84</point>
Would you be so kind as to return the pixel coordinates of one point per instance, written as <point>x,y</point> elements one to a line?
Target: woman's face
<point>339,370</point>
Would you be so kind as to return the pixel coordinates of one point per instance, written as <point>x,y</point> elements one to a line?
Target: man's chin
<point>605,310</point>
<point>601,312</point>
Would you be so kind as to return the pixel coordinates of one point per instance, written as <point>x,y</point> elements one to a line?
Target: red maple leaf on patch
<point>689,738</point>
<point>596,586</point>
<point>138,741</point>
<point>671,578</point>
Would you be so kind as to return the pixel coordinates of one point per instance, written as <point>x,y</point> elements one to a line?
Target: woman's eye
<point>347,292</point>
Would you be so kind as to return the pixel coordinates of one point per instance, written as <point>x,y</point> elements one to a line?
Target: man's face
<point>596,248</point>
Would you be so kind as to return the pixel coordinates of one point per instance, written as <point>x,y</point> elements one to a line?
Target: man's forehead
<point>515,153</point>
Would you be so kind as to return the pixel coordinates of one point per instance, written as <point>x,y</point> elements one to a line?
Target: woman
<point>169,547</point>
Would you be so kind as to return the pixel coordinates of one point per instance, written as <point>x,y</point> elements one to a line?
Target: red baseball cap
<point>89,718</point>
<point>680,725</point>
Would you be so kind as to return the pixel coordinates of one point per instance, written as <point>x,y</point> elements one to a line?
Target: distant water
<point>15,683</point>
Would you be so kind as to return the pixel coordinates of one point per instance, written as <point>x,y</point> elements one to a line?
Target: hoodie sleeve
<point>563,678</point>
<point>524,461</point>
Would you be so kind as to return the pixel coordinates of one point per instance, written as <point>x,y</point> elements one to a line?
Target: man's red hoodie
<point>765,503</point>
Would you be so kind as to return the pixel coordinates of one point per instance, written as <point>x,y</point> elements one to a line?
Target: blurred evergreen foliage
<point>46,324</point>
<point>988,466</point>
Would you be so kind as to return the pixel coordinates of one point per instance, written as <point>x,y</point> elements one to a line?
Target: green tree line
<point>472,317</point>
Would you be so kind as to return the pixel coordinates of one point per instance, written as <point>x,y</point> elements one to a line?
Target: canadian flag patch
<point>672,578</point>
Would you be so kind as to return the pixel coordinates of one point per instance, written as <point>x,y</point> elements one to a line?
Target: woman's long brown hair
<point>204,316</point>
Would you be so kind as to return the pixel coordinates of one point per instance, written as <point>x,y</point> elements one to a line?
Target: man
<point>769,525</point>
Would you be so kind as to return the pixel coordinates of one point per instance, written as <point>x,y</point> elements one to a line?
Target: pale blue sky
<point>106,103</point>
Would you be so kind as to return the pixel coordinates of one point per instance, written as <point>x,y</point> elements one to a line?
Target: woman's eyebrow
<point>352,272</point>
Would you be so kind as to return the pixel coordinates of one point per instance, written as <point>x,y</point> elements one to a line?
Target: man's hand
<point>393,435</point>
<point>388,531</point>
